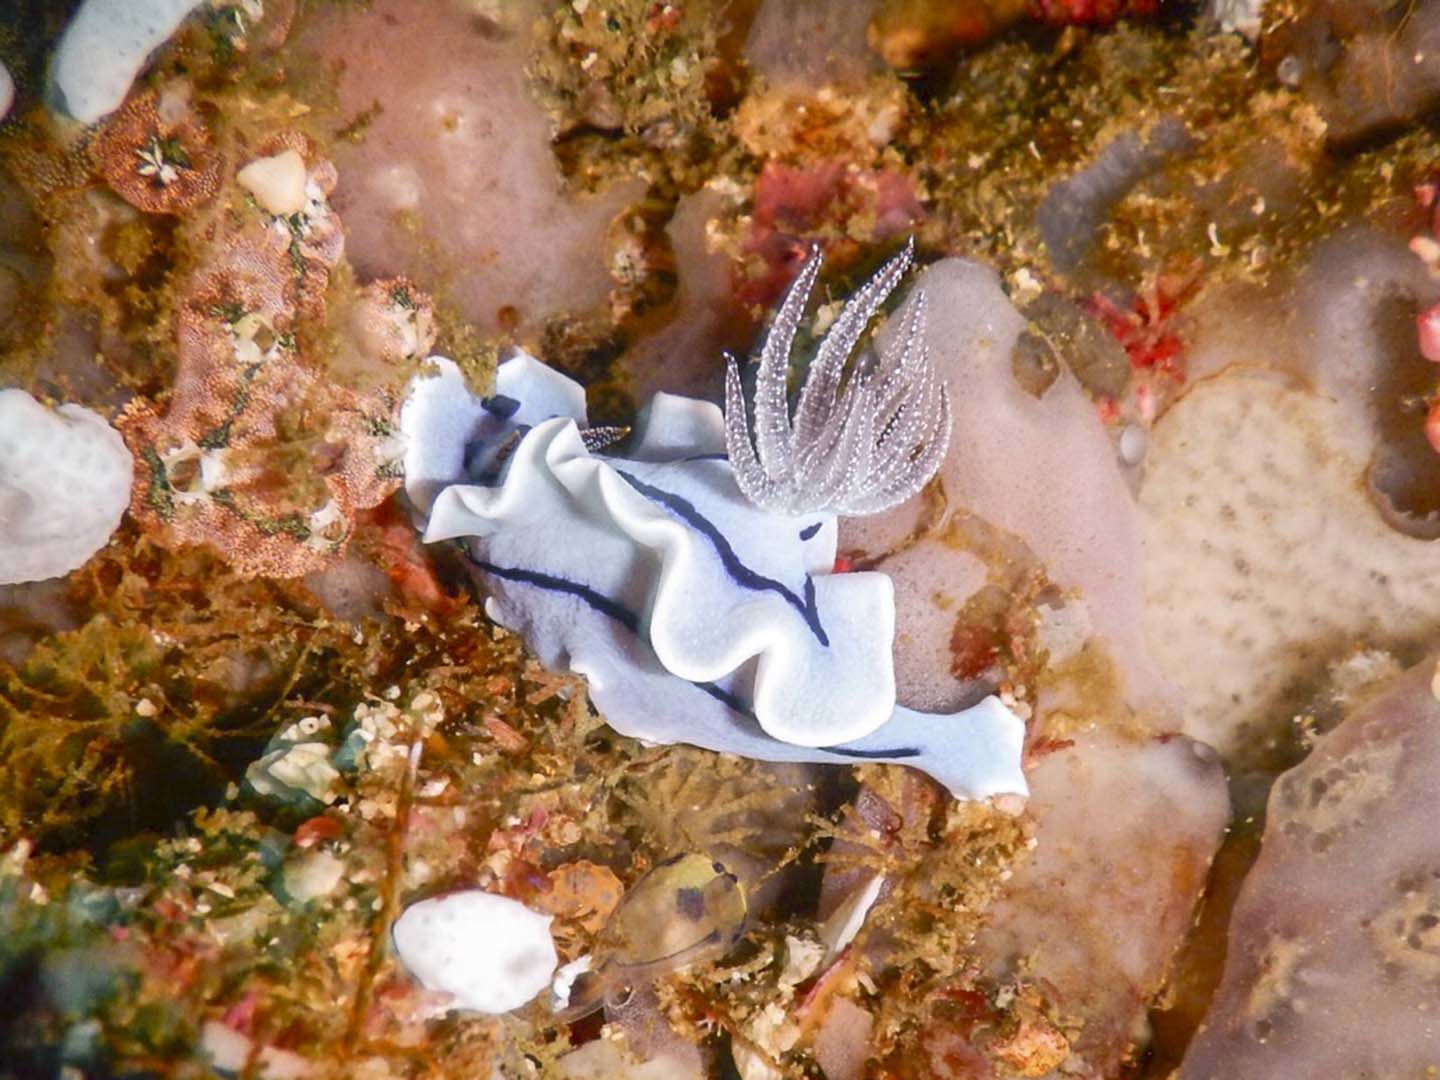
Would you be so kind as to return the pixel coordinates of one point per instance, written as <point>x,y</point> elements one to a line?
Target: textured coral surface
<point>1265,561</point>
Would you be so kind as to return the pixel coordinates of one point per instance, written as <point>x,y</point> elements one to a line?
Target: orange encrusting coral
<point>161,162</point>
<point>259,454</point>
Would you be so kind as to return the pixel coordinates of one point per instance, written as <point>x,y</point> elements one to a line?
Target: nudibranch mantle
<point>694,615</point>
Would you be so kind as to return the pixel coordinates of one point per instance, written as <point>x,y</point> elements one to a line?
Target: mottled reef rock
<point>1288,496</point>
<point>1334,948</point>
<point>453,183</point>
<point>1040,469</point>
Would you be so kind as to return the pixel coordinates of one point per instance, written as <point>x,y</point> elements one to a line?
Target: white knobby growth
<point>104,47</point>
<point>491,954</point>
<point>65,478</point>
<point>860,441</point>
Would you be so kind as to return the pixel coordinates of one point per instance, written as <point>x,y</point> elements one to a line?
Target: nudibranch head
<point>860,441</point>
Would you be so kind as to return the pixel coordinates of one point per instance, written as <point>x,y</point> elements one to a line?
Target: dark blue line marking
<point>500,405</point>
<point>726,698</point>
<point>809,530</point>
<point>597,600</point>
<point>898,752</point>
<point>741,574</point>
<point>613,609</point>
<point>605,606</point>
<point>707,457</point>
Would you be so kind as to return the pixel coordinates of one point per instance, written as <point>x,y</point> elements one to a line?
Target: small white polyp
<point>490,953</point>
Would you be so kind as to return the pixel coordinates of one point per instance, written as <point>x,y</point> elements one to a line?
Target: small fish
<point>682,910</point>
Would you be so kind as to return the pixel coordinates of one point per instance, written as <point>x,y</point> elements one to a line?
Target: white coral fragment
<point>277,182</point>
<point>861,440</point>
<point>490,953</point>
<point>64,484</point>
<point>302,767</point>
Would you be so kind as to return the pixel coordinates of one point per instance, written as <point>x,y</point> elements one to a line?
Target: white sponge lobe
<point>65,479</point>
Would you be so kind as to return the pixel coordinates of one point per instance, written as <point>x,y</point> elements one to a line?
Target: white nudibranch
<point>696,614</point>
<point>859,442</point>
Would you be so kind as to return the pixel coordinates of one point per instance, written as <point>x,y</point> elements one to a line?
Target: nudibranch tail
<point>860,441</point>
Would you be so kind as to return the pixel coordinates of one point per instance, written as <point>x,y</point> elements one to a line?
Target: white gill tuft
<point>860,441</point>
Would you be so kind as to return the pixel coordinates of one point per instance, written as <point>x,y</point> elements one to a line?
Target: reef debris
<point>258,453</point>
<point>1368,68</point>
<point>831,202</point>
<point>1073,210</point>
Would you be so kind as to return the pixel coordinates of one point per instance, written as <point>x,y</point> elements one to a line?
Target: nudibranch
<point>692,583</point>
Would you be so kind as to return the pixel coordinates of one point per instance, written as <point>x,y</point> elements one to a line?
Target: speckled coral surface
<point>1265,560</point>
